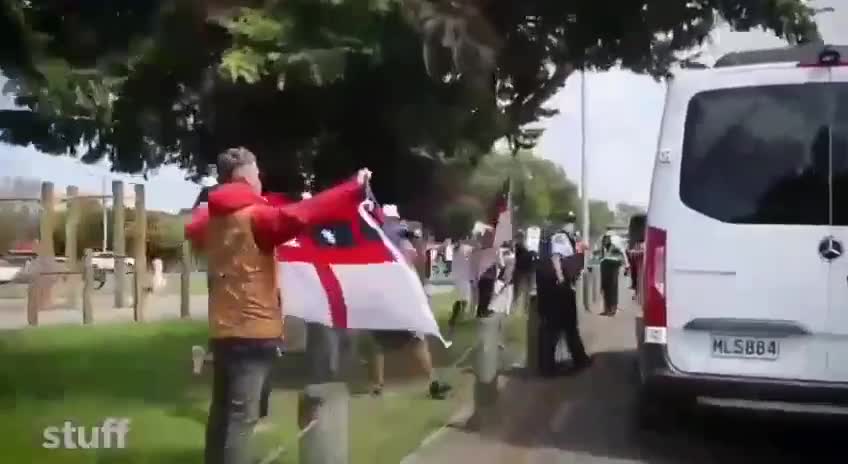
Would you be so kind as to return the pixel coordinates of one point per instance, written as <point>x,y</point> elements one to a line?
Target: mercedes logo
<point>830,248</point>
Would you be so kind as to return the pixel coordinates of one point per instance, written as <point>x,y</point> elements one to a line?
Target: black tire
<point>660,412</point>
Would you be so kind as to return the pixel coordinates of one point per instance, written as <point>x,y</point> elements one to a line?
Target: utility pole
<point>584,288</point>
<point>584,166</point>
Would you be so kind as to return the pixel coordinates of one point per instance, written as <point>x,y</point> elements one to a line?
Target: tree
<point>17,224</point>
<point>624,211</point>
<point>164,231</point>
<point>542,194</point>
<point>600,217</point>
<point>320,88</point>
<point>541,189</point>
<point>89,228</point>
<point>164,236</point>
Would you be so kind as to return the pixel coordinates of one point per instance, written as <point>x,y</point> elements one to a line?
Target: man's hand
<point>363,176</point>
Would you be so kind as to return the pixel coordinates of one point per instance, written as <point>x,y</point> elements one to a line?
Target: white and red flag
<point>346,273</point>
<point>499,230</point>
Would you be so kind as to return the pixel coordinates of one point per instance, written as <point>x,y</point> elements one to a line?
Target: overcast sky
<point>623,112</point>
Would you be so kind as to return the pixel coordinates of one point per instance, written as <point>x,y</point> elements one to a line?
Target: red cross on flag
<point>499,230</point>
<point>346,273</point>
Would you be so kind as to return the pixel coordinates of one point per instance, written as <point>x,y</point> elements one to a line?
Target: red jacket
<point>240,230</point>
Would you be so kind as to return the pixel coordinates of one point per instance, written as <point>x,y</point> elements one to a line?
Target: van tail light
<point>654,310</point>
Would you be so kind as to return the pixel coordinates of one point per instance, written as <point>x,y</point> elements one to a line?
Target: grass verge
<point>85,374</point>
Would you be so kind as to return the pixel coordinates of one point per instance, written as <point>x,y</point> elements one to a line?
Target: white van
<point>745,284</point>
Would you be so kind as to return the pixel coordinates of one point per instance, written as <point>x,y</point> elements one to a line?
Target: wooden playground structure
<point>79,274</point>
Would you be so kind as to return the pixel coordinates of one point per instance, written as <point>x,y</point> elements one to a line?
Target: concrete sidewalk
<point>531,407</point>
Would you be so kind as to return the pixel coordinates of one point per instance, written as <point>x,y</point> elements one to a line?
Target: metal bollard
<point>486,366</point>
<point>323,417</point>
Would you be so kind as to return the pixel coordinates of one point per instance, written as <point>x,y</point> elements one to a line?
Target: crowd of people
<point>238,230</point>
<point>549,275</point>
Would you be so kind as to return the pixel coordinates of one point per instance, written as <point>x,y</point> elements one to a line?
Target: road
<point>590,419</point>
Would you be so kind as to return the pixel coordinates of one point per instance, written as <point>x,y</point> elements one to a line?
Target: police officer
<point>558,269</point>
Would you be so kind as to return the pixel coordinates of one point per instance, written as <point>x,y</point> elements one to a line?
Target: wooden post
<point>119,244</point>
<point>48,211</point>
<point>39,295</point>
<point>87,288</point>
<point>140,254</point>
<point>324,415</point>
<point>486,364</point>
<point>185,280</point>
<point>71,225</point>
<point>33,296</point>
<point>323,406</point>
<point>596,282</point>
<point>532,349</point>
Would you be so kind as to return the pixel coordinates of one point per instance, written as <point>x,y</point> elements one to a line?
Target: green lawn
<point>142,372</point>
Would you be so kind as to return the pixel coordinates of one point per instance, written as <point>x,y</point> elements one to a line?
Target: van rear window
<point>760,155</point>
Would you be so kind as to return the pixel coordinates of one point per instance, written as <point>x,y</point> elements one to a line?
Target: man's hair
<point>232,159</point>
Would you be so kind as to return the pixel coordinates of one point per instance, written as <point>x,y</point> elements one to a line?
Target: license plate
<point>728,346</point>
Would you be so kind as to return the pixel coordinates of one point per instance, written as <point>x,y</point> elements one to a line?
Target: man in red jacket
<point>239,231</point>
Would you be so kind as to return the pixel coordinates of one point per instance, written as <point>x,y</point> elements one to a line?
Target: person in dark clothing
<point>523,272</point>
<point>612,258</point>
<point>485,291</point>
<point>405,240</point>
<point>634,257</point>
<point>559,269</point>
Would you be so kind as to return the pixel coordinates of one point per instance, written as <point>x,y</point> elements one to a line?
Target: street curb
<point>458,418</point>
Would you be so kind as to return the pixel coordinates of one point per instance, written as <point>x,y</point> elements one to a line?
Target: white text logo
<point>111,434</point>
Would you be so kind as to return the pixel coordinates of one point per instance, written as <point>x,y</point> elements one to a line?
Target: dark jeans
<point>265,397</point>
<point>485,289</point>
<point>239,387</point>
<point>558,318</point>
<point>458,308</point>
<point>633,276</point>
<point>609,282</point>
